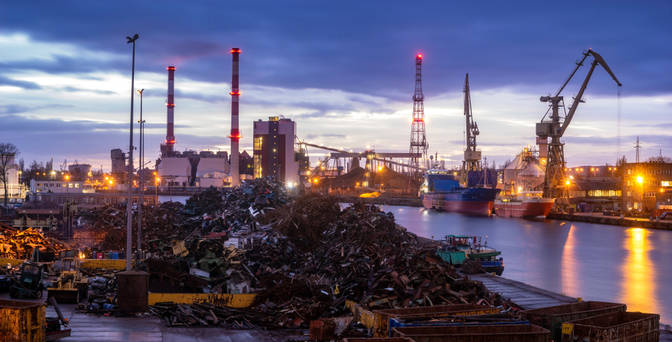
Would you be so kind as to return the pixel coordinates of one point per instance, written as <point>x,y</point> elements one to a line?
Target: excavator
<point>554,126</point>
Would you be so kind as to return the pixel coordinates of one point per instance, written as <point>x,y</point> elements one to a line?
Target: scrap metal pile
<point>19,244</point>
<point>213,212</point>
<point>304,259</point>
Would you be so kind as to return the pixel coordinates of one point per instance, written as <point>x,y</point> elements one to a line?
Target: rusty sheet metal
<point>238,301</point>
<point>110,264</point>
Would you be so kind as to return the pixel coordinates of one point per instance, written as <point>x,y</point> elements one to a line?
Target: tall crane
<point>472,157</point>
<point>555,127</point>
<point>418,143</point>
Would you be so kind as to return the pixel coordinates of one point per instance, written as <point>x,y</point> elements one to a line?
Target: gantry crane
<point>472,157</point>
<point>554,183</point>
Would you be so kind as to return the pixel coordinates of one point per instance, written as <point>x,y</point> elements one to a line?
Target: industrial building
<point>274,149</point>
<point>60,186</point>
<point>647,186</point>
<point>15,190</point>
<point>189,168</point>
<point>118,159</point>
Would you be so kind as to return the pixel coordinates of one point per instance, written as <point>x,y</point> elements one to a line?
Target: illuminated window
<point>257,166</point>
<point>258,143</point>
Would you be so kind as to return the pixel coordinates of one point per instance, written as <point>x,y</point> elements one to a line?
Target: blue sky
<point>343,70</point>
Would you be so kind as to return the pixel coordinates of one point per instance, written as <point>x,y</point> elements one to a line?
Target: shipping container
<point>381,318</point>
<point>476,333</point>
<point>552,317</point>
<point>22,321</point>
<point>614,327</point>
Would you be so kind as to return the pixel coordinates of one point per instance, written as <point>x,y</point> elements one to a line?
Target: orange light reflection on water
<point>570,283</point>
<point>639,284</point>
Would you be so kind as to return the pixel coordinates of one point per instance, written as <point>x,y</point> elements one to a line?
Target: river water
<point>591,261</point>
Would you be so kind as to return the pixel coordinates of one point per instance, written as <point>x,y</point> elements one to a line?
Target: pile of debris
<point>213,212</point>
<point>20,244</point>
<point>310,256</point>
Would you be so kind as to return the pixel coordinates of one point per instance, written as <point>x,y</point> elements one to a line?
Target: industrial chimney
<point>167,148</point>
<point>235,133</point>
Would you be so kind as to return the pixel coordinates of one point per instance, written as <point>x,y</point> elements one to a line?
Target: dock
<point>524,295</point>
<point>613,220</point>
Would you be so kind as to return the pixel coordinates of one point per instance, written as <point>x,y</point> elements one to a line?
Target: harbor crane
<point>555,126</point>
<point>472,157</point>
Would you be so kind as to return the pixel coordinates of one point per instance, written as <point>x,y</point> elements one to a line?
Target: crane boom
<point>555,127</point>
<point>597,60</point>
<point>472,157</point>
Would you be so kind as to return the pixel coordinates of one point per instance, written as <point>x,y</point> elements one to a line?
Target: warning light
<point>235,50</point>
<point>418,56</point>
<point>171,68</point>
<point>235,93</point>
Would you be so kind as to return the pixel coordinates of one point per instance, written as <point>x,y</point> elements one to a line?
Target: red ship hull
<point>523,209</point>
<point>475,208</point>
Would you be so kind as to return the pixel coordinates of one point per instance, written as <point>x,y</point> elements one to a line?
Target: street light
<point>129,184</point>
<point>141,201</point>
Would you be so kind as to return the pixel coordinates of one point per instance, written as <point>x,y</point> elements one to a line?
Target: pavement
<point>89,327</point>
<point>145,328</point>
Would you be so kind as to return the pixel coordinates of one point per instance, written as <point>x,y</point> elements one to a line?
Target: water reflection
<point>639,285</point>
<point>569,266</point>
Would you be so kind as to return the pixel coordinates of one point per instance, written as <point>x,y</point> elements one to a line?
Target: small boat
<point>457,249</point>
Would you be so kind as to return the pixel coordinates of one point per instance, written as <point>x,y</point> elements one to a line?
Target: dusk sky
<point>343,70</point>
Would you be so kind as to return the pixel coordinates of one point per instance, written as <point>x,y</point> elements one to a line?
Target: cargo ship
<point>442,191</point>
<point>523,206</point>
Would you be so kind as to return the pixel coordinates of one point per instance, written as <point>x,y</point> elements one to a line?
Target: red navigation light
<point>170,142</point>
<point>235,93</point>
<point>171,68</point>
<point>418,56</point>
<point>170,105</point>
<point>235,50</point>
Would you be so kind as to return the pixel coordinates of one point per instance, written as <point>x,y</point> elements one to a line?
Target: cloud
<point>17,83</point>
<point>96,91</point>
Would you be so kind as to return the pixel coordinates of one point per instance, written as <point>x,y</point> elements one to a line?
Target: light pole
<point>141,174</point>
<point>129,201</point>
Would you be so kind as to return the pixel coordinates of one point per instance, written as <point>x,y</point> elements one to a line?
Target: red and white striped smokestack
<point>235,133</point>
<point>170,106</point>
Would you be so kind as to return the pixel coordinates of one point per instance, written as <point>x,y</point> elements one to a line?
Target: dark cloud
<point>96,91</point>
<point>18,109</point>
<point>366,47</point>
<point>31,126</point>
<point>18,83</point>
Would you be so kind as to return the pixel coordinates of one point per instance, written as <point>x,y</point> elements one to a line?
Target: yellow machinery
<point>70,286</point>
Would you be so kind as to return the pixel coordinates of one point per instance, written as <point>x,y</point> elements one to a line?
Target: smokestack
<point>170,106</point>
<point>235,133</point>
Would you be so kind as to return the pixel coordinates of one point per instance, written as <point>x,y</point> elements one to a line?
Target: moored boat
<point>442,191</point>
<point>457,249</point>
<point>523,206</point>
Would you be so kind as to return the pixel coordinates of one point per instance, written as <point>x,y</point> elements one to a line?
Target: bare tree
<point>7,153</point>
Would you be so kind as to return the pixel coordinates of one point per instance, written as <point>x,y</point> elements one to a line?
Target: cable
<point>618,125</point>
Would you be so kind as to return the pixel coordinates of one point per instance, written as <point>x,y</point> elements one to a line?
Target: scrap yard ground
<point>302,256</point>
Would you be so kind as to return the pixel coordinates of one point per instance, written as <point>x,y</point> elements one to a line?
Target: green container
<point>452,257</point>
